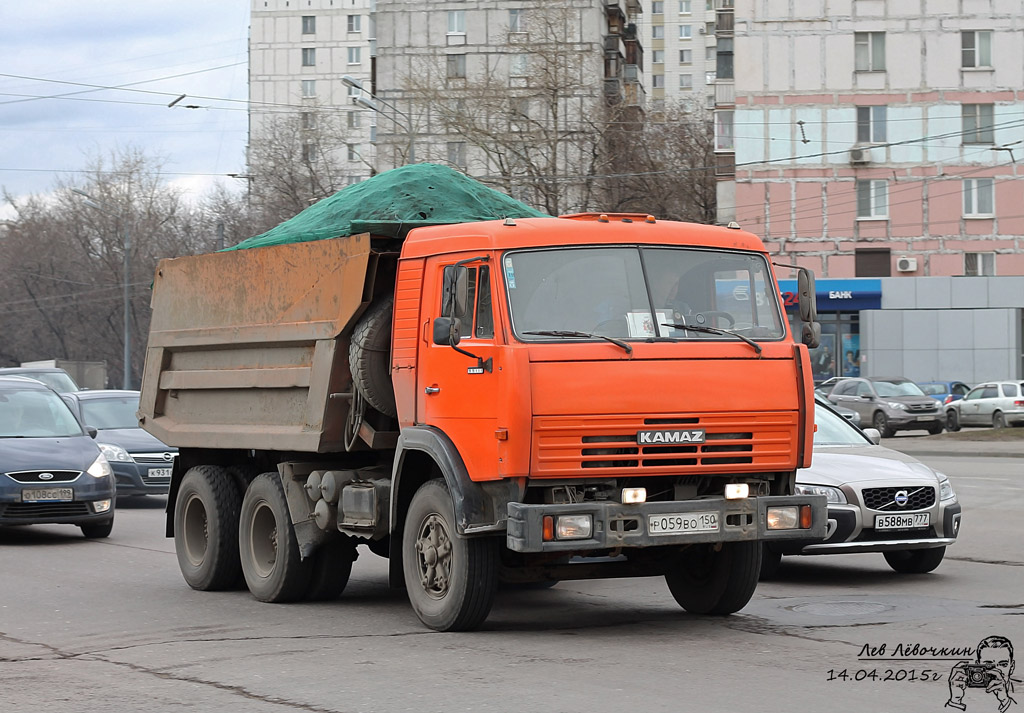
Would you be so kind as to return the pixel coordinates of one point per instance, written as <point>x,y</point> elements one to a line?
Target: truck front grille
<point>564,446</point>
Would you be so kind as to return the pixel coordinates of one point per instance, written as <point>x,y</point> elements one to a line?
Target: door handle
<point>432,390</point>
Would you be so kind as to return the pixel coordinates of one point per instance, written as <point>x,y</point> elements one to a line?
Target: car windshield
<point>934,389</point>
<point>35,413</point>
<point>831,429</point>
<point>633,292</point>
<point>57,380</point>
<point>111,412</point>
<point>897,388</point>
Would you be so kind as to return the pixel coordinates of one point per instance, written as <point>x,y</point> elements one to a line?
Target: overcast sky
<point>62,47</point>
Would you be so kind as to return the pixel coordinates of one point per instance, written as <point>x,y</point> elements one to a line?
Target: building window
<point>657,32</point>
<point>355,23</point>
<point>658,81</point>
<point>723,130</point>
<point>979,197</point>
<point>658,56</point>
<point>308,120</point>
<point>456,22</point>
<point>710,54</point>
<point>456,64</point>
<point>872,262</point>
<point>355,55</point>
<point>872,199</point>
<point>685,56</point>
<point>657,7</point>
<point>308,56</point>
<point>685,32</point>
<point>308,152</point>
<point>685,7</point>
<point>515,21</point>
<point>976,48</point>
<point>308,88</point>
<point>457,153</point>
<point>871,124</point>
<point>309,24</point>
<point>723,61</point>
<point>979,264</point>
<point>354,119</point>
<point>686,81</point>
<point>518,65</point>
<point>709,78</point>
<point>978,121</point>
<point>869,51</point>
<point>709,28</point>
<point>354,91</point>
<point>353,152</point>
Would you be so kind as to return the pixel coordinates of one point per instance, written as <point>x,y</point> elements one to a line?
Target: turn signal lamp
<point>634,496</point>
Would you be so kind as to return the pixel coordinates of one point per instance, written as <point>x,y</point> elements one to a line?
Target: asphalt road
<point>111,626</point>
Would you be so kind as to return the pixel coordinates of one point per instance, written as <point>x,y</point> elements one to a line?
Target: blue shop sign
<point>849,295</point>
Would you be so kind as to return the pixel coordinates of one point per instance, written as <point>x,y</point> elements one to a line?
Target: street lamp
<point>372,103</point>
<point>126,274</point>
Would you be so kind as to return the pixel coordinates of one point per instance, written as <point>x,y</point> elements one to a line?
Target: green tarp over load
<point>393,203</point>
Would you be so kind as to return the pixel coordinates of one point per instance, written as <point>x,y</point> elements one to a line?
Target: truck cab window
<point>477,320</point>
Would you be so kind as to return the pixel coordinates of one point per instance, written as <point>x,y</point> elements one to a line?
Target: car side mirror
<point>91,430</point>
<point>447,330</point>
<point>873,435</point>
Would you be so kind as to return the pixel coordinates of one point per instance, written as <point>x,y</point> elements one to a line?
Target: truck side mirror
<point>455,290</point>
<point>811,334</point>
<point>807,298</point>
<point>447,330</point>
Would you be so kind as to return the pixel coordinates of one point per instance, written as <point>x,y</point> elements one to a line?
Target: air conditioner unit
<point>702,30</point>
<point>859,157</point>
<point>906,264</point>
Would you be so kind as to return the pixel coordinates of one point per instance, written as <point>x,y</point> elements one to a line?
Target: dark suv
<point>889,404</point>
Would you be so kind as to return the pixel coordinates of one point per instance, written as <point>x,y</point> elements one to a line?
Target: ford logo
<point>46,476</point>
<point>902,498</point>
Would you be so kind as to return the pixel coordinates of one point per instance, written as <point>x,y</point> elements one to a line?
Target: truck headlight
<point>100,468</point>
<point>790,517</point>
<point>115,453</point>
<point>833,495</point>
<point>568,527</point>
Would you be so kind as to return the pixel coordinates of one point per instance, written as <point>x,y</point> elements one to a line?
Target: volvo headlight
<point>100,468</point>
<point>834,495</point>
<point>897,405</point>
<point>115,453</point>
<point>946,489</point>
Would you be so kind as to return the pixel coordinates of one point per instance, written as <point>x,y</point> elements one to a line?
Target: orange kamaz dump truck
<point>518,400</point>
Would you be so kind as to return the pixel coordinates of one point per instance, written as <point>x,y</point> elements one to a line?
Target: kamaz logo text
<point>652,437</point>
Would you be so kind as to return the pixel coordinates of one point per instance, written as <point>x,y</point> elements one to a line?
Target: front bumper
<point>87,490</point>
<point>909,420</point>
<point>616,525</point>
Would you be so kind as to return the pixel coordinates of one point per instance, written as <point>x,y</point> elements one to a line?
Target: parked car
<point>848,413</point>
<point>879,500</point>
<point>54,377</point>
<point>51,470</point>
<point>889,404</point>
<point>825,387</point>
<point>945,392</point>
<point>141,462</point>
<point>997,404</point>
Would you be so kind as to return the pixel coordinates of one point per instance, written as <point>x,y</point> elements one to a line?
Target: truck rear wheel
<point>706,581</point>
<point>273,568</point>
<point>369,354</point>
<point>451,581</point>
<point>206,528</point>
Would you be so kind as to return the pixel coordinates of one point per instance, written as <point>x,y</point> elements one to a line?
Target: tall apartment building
<point>298,53</point>
<point>877,142</point>
<point>681,58</point>
<point>503,89</point>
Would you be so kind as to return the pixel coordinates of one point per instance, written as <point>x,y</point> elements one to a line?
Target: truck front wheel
<point>273,568</point>
<point>206,528</point>
<point>451,581</point>
<point>706,580</point>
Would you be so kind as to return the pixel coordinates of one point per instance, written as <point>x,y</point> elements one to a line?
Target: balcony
<point>725,165</point>
<point>724,23</point>
<point>725,93</point>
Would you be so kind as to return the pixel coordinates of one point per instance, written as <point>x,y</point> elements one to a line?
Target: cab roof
<point>584,229</point>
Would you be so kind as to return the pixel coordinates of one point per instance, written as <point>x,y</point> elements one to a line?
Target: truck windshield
<point>632,292</point>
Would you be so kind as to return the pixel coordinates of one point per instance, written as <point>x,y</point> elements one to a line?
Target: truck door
<point>457,393</point>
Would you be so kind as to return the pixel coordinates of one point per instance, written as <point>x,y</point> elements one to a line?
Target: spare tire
<point>369,356</point>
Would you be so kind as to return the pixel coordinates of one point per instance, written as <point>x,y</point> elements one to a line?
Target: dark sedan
<point>51,470</point>
<point>141,462</point>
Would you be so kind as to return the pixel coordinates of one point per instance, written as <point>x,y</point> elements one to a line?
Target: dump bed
<point>246,348</point>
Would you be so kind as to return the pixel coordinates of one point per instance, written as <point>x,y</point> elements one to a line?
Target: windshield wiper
<point>585,335</point>
<point>714,330</point>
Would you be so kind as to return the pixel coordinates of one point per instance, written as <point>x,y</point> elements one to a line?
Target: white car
<point>879,500</point>
<point>995,404</point>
